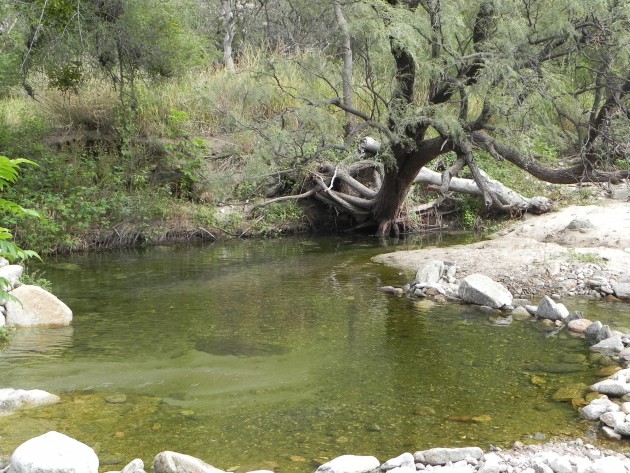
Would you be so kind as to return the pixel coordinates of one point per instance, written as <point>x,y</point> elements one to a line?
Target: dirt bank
<point>526,256</point>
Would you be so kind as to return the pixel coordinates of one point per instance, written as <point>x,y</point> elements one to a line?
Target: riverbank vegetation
<point>182,120</point>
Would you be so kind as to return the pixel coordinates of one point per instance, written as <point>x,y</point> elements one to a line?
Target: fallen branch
<point>509,199</point>
<point>284,198</point>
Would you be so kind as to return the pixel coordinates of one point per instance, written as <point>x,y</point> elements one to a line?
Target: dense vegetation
<point>147,119</point>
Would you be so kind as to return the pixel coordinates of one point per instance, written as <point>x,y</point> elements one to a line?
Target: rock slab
<point>442,456</point>
<point>481,290</point>
<point>53,453</point>
<point>36,307</point>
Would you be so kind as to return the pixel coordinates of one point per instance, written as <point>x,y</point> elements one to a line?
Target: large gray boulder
<point>349,464</point>
<point>481,290</point>
<point>442,456</point>
<point>12,400</point>
<point>430,273</point>
<point>549,309</point>
<point>622,290</point>
<point>53,453</point>
<point>173,462</point>
<point>36,307</point>
<point>610,346</point>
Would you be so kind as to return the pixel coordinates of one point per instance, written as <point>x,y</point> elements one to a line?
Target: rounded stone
<point>54,453</point>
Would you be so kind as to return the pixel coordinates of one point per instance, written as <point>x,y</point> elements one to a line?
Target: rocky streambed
<point>56,453</point>
<point>548,268</point>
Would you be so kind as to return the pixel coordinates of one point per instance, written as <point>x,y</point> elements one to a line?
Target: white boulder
<point>481,290</point>
<point>173,462</point>
<point>349,464</point>
<point>36,307</point>
<point>53,453</point>
<point>12,400</point>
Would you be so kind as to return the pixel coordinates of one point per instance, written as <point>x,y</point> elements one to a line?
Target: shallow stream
<point>282,353</point>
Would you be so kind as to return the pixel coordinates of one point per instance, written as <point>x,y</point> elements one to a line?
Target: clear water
<point>261,354</point>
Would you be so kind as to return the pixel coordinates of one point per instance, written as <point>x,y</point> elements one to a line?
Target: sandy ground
<point>535,244</point>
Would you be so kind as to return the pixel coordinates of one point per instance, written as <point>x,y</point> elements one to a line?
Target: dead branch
<point>285,198</point>
<point>509,199</point>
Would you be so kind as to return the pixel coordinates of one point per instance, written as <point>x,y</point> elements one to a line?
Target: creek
<point>280,353</point>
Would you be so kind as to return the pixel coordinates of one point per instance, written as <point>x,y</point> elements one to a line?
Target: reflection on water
<point>279,351</point>
<point>37,342</point>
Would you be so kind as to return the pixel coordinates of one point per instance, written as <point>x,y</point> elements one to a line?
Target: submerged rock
<point>570,392</point>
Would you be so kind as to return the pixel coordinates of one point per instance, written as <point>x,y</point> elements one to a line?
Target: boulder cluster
<point>28,305</point>
<point>54,452</point>
<point>437,280</point>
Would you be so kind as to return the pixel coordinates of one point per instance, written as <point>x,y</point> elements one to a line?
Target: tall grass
<point>193,142</point>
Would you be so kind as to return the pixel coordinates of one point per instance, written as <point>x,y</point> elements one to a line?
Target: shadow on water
<point>283,351</point>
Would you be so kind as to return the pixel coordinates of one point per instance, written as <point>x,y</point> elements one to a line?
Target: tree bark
<point>346,75</point>
<point>229,22</point>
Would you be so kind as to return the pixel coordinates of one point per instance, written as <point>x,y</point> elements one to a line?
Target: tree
<point>493,77</point>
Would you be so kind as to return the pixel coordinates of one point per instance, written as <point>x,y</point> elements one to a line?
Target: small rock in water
<point>500,320</point>
<point>520,313</point>
<point>579,325</point>
<point>424,411</point>
<point>116,399</point>
<point>608,370</point>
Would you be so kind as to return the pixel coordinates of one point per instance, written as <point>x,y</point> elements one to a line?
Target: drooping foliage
<point>137,99</point>
<point>508,79</point>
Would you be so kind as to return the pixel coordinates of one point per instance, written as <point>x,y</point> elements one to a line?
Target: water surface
<point>279,353</point>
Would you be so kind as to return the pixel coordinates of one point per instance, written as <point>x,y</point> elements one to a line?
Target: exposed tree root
<point>339,196</point>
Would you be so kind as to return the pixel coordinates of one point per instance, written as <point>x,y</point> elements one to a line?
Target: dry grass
<point>92,108</point>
